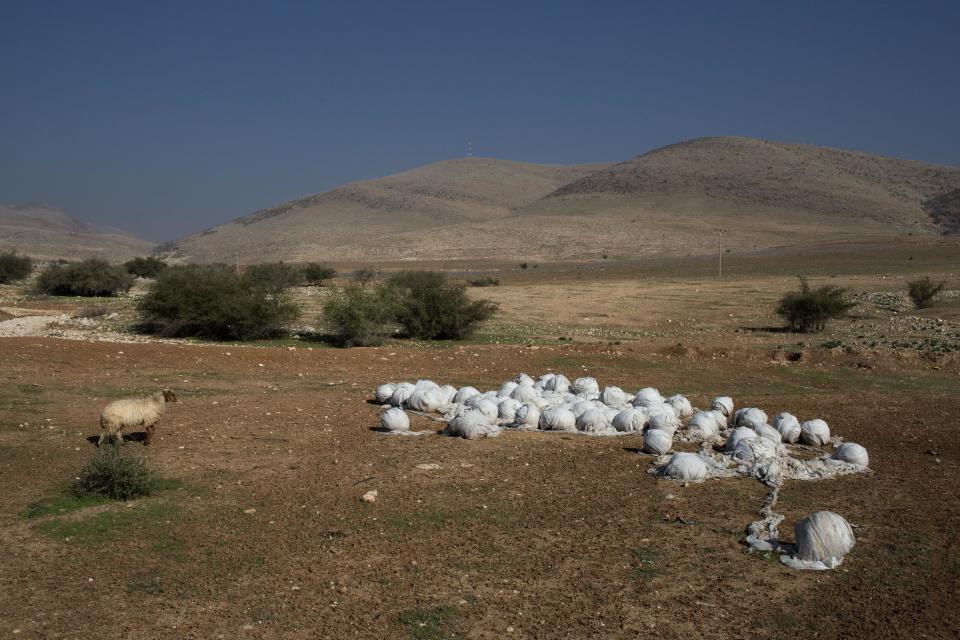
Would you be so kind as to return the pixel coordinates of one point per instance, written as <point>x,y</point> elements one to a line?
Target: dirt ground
<point>261,533</point>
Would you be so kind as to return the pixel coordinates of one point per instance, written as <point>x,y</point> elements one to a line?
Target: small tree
<point>316,273</point>
<point>14,266</point>
<point>365,276</point>
<point>148,267</point>
<point>360,318</point>
<point>430,307</point>
<point>808,310</point>
<point>114,472</point>
<point>273,276</point>
<point>91,277</point>
<point>924,292</point>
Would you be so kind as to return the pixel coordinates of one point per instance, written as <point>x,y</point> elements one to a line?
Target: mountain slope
<point>46,232</point>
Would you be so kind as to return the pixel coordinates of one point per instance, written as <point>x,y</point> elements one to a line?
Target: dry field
<point>260,532</point>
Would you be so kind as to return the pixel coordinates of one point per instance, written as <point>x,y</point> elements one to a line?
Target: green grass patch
<point>438,623</point>
<point>150,522</point>
<point>61,504</point>
<point>645,564</point>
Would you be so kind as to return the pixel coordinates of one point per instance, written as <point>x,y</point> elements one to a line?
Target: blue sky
<point>164,118</point>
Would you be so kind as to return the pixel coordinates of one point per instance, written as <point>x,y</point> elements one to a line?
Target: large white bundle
<point>666,421</point>
<point>464,394</point>
<point>527,414</point>
<point>613,397</point>
<point>424,399</point>
<point>687,467</point>
<point>646,397</point>
<point>401,393</point>
<point>768,432</point>
<point>657,441</point>
<point>507,409</point>
<point>586,386</point>
<point>814,432</point>
<point>426,384</point>
<point>544,381</point>
<point>523,379</point>
<point>447,392</point>
<point>525,393</point>
<point>559,383</point>
<point>754,449</point>
<point>740,433</point>
<point>580,408</point>
<point>707,424</point>
<point>788,426</point>
<point>611,414</point>
<point>474,401</point>
<point>593,421</point>
<point>542,403</point>
<point>630,420</point>
<point>506,389</point>
<point>557,419</point>
<point>749,417</point>
<point>853,453</point>
<point>723,404</point>
<point>823,539</point>
<point>488,408</point>
<point>472,425</point>
<point>681,405</point>
<point>395,420</point>
<point>383,392</point>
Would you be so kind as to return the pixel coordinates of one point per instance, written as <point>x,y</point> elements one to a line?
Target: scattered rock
<point>369,496</point>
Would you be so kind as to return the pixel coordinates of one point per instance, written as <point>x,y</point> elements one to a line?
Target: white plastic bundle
<point>823,539</point>
<point>507,409</point>
<point>524,380</point>
<point>559,383</point>
<point>446,393</point>
<point>630,420</point>
<point>580,408</point>
<point>740,433</point>
<point>474,401</point>
<point>593,421</point>
<point>646,397</point>
<point>687,467</point>
<point>754,450</point>
<point>705,424</point>
<point>395,420</point>
<point>472,425</point>
<point>527,414</point>
<point>426,384</point>
<point>426,399</point>
<point>506,389</point>
<point>557,419</point>
<point>666,421</point>
<point>814,432</point>
<point>749,417</point>
<point>586,386</point>
<point>657,441</point>
<point>853,453</point>
<point>464,394</point>
<point>544,380</point>
<point>681,405</point>
<point>788,426</point>
<point>401,393</point>
<point>524,393</point>
<point>613,397</point>
<point>768,432</point>
<point>488,408</point>
<point>383,392</point>
<point>723,404</point>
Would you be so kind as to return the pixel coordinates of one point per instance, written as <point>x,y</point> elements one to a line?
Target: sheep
<point>133,412</point>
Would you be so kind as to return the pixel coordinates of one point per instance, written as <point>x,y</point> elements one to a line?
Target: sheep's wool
<point>740,433</point>
<point>395,420</point>
<point>750,417</point>
<point>657,441</point>
<point>613,397</point>
<point>464,394</point>
<point>558,419</point>
<point>506,389</point>
<point>823,539</point>
<point>507,409</point>
<point>488,408</point>
<point>523,380</point>
<point>527,414</point>
<point>681,405</point>
<point>401,393</point>
<point>666,421</point>
<point>754,450</point>
<point>446,393</point>
<point>646,397</point>
<point>814,432</point>
<point>558,383</point>
<point>723,404</point>
<point>426,399</point>
<point>853,453</point>
<point>788,426</point>
<point>630,420</point>
<point>768,432</point>
<point>593,421</point>
<point>383,392</point>
<point>586,386</point>
<point>687,467</point>
<point>472,425</point>
<point>706,424</point>
<point>524,393</point>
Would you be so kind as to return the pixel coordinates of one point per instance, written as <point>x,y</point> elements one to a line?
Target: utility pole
<point>720,233</point>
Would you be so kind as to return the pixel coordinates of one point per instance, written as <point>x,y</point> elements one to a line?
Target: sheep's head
<point>169,396</point>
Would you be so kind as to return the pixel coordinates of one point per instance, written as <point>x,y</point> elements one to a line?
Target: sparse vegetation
<point>91,277</point>
<point>485,281</point>
<point>316,274</point>
<point>924,291</point>
<point>360,318</point>
<point>273,276</point>
<point>148,267</point>
<point>115,472</point>
<point>808,310</point>
<point>14,267</point>
<point>365,276</point>
<point>95,311</point>
<point>213,302</point>
<point>524,265</point>
<point>432,308</point>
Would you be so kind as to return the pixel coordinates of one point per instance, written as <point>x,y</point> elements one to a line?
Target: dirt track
<point>529,535</point>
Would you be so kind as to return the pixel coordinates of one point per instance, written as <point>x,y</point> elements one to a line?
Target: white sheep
<point>133,412</point>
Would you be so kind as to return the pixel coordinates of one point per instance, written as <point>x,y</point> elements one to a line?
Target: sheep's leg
<point>149,435</point>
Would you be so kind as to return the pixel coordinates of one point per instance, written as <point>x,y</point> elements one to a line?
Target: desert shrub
<point>273,276</point>
<point>924,292</point>
<point>315,273</point>
<point>213,302</point>
<point>148,267</point>
<point>91,277</point>
<point>524,265</point>
<point>365,276</point>
<point>808,310</point>
<point>485,281</point>
<point>95,311</point>
<point>14,266</point>
<point>360,318</point>
<point>113,471</point>
<point>430,307</point>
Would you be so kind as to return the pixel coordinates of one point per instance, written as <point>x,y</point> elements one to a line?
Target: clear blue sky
<point>164,118</point>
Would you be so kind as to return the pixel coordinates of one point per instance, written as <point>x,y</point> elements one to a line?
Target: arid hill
<point>46,232</point>
<point>672,200</point>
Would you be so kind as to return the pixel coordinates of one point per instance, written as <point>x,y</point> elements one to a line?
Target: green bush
<point>808,310</point>
<point>360,318</point>
<point>430,307</point>
<point>213,302</point>
<point>148,267</point>
<point>924,292</point>
<point>91,277</point>
<point>485,281</point>
<point>273,276</point>
<point>365,276</point>
<point>114,472</point>
<point>316,273</point>
<point>14,266</point>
